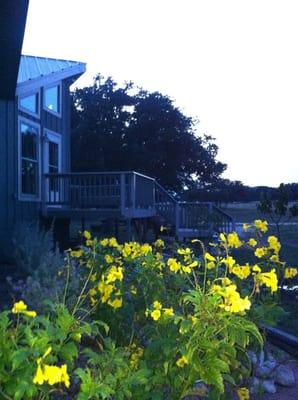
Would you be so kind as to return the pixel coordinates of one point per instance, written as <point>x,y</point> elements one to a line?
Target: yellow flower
<point>113,242</point>
<point>241,272</point>
<point>87,235</point>
<point>260,252</point>
<point>210,265</point>
<point>157,305</point>
<point>117,303</point>
<point>133,290</point>
<point>268,279</point>
<point>186,269</point>
<point>65,376</point>
<point>156,314</point>
<point>261,225</point>
<point>234,241</point>
<point>274,244</point>
<point>159,243</point>
<point>291,273</point>
<point>243,393</point>
<point>209,257</point>
<point>109,259</point>
<point>223,238</point>
<point>38,377</point>
<point>31,314</point>
<point>169,312</point>
<point>174,265</point>
<point>145,249</point>
<point>256,269</point>
<point>229,262</point>
<point>76,253</point>
<point>252,242</point>
<point>274,258</point>
<point>245,227</point>
<point>186,251</point>
<point>104,242</point>
<point>115,273</point>
<point>193,264</point>
<point>182,361</point>
<point>19,307</point>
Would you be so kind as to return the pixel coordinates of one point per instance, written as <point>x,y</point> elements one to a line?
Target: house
<point>35,173</point>
<point>34,121</point>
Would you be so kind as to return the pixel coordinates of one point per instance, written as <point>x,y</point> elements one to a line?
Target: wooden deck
<point>129,195</point>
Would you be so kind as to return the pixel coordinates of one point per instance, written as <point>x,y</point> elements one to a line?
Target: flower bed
<point>145,327</point>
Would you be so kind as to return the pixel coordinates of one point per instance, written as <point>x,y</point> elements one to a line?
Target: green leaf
<point>18,357</point>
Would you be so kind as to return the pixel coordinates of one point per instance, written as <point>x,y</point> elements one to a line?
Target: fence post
<point>122,194</point>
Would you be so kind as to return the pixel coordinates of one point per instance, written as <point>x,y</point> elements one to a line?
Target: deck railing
<point>128,192</point>
<point>131,195</point>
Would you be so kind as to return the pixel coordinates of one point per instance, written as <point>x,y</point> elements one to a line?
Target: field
<point>247,212</point>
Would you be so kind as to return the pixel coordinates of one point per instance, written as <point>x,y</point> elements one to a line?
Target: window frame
<point>55,137</point>
<point>45,88</point>
<point>24,196</point>
<point>27,94</point>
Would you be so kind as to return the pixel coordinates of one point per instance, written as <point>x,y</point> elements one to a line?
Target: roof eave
<point>46,80</point>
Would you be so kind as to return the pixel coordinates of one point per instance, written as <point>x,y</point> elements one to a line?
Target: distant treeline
<point>229,191</point>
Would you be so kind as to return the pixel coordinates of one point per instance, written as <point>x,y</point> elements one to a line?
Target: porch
<point>128,195</point>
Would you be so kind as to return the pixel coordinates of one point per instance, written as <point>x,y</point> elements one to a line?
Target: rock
<point>261,357</point>
<point>284,376</point>
<point>253,357</point>
<point>255,386</point>
<point>266,369</point>
<point>269,386</point>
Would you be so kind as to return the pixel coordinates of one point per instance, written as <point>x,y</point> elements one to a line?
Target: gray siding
<point>12,210</point>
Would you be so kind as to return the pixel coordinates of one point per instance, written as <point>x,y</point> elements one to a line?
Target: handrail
<point>62,174</point>
<point>132,195</point>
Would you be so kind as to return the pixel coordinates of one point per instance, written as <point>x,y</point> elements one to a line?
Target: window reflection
<point>52,99</point>
<point>29,159</point>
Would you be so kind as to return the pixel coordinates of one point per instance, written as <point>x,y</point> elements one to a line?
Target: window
<point>30,104</point>
<point>52,99</point>
<point>29,159</point>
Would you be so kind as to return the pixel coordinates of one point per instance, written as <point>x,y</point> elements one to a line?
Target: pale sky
<point>233,64</point>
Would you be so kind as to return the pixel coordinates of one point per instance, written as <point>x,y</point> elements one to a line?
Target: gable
<point>35,72</point>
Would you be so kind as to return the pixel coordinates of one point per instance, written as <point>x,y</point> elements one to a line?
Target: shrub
<point>144,326</point>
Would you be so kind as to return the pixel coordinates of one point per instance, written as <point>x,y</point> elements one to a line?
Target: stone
<point>269,386</point>
<point>255,386</point>
<point>253,357</point>
<point>266,369</point>
<point>284,376</point>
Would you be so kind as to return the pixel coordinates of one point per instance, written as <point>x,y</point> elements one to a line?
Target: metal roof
<point>32,67</point>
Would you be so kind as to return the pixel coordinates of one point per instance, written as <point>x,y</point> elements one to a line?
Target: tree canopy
<point>125,128</point>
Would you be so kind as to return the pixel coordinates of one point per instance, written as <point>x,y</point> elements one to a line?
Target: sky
<point>233,64</point>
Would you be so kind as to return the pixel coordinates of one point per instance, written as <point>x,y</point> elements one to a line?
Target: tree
<point>279,210</point>
<point>128,129</point>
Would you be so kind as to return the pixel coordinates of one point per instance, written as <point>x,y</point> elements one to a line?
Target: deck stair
<point>130,196</point>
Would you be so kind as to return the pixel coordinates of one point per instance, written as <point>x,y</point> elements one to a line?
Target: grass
<point>247,213</point>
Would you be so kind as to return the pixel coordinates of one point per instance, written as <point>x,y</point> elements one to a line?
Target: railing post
<point>211,220</point>
<point>177,218</point>
<point>133,192</point>
<point>122,194</point>
<point>43,195</point>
